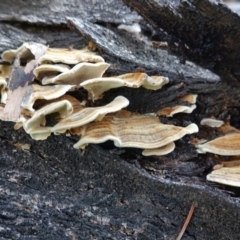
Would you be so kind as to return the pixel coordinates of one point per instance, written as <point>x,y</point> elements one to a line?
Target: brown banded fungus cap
<point>228,145</point>
<point>90,114</point>
<point>226,175</point>
<point>142,131</point>
<point>56,72</point>
<point>170,111</point>
<point>97,86</point>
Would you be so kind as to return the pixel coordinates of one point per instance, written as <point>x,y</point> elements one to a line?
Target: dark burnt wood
<point>207,32</point>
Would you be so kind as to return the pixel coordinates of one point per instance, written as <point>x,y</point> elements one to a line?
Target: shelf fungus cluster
<point>38,84</point>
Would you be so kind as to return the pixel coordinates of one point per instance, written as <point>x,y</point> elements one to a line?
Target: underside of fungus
<point>159,151</point>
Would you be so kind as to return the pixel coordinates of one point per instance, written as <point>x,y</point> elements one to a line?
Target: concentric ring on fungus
<point>141,131</point>
<point>89,114</point>
<point>228,145</point>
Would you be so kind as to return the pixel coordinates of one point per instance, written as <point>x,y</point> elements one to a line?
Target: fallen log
<point>54,191</point>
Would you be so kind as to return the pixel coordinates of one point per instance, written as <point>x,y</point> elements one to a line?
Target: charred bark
<point>207,31</point>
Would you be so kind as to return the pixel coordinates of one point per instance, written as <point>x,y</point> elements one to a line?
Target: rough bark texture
<point>56,192</point>
<point>54,12</point>
<point>208,32</point>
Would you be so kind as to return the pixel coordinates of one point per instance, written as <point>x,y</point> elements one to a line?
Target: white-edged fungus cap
<point>36,91</point>
<point>11,54</point>
<point>228,145</point>
<point>50,70</point>
<point>170,111</point>
<point>190,98</point>
<point>35,126</point>
<point>211,122</point>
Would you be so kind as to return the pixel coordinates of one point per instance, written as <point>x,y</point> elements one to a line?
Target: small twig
<point>184,227</point>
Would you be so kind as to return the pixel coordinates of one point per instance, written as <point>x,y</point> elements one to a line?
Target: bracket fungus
<point>141,131</point>
<point>170,111</point>
<point>97,86</point>
<point>79,73</point>
<point>35,126</point>
<point>69,56</point>
<point>90,114</point>
<point>44,94</point>
<point>49,70</point>
<point>190,98</point>
<point>226,175</point>
<point>228,145</point>
<point>36,91</point>
<point>24,52</point>
<point>210,122</point>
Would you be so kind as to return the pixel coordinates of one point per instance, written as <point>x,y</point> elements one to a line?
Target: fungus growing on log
<point>90,114</point>
<point>190,98</point>
<point>69,56</point>
<point>228,145</point>
<point>96,87</point>
<point>49,70</point>
<point>5,71</point>
<point>35,126</point>
<point>211,122</point>
<point>170,111</point>
<point>226,175</point>
<point>79,73</point>
<point>45,95</point>
<point>141,131</point>
<point>35,92</point>
<point>24,52</point>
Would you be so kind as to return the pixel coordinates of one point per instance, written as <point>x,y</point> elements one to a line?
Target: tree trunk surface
<point>54,191</point>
